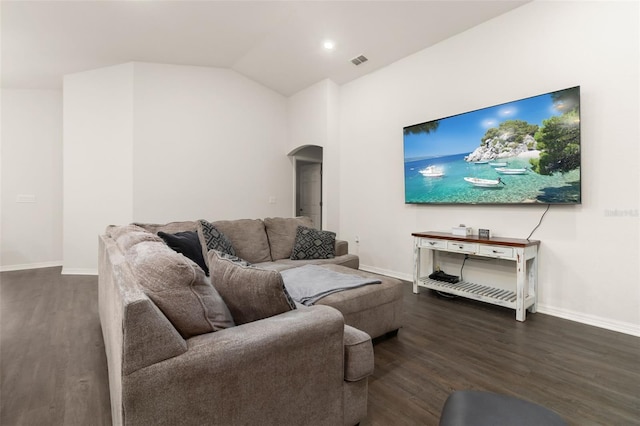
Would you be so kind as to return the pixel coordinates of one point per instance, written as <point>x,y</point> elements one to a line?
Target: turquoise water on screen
<point>452,188</point>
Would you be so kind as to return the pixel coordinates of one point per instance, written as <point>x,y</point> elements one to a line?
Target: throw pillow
<point>282,234</point>
<point>250,293</point>
<point>188,244</point>
<point>212,239</point>
<point>179,289</point>
<point>311,243</point>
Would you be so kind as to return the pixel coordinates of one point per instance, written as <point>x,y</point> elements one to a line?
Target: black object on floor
<point>478,408</point>
<point>441,276</point>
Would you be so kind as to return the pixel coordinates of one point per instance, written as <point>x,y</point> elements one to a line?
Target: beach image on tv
<point>525,151</point>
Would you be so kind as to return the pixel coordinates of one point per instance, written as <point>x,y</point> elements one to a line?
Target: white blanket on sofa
<point>306,284</point>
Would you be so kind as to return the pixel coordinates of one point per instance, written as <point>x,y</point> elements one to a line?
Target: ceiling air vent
<point>359,59</point>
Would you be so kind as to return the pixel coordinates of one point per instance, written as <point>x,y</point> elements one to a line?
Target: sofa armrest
<point>286,369</point>
<point>358,354</point>
<point>136,334</point>
<point>342,247</point>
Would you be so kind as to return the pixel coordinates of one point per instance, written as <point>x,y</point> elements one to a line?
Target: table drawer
<point>497,251</point>
<point>435,244</point>
<point>462,247</point>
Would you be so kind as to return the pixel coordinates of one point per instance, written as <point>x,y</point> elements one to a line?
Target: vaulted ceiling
<point>276,43</point>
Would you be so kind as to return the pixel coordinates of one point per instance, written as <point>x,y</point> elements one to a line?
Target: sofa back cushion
<point>250,293</point>
<point>281,232</point>
<point>248,237</point>
<point>170,228</point>
<point>127,236</point>
<point>179,288</point>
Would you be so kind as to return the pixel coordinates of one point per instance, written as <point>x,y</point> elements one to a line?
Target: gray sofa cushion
<point>170,228</point>
<point>250,293</point>
<point>347,260</point>
<point>248,237</point>
<point>281,232</point>
<point>358,354</point>
<point>375,309</point>
<point>179,288</point>
<point>313,244</point>
<point>129,235</point>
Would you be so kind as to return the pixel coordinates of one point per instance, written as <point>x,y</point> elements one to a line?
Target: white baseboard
<point>25,266</point>
<point>79,271</point>
<point>386,272</point>
<point>621,327</point>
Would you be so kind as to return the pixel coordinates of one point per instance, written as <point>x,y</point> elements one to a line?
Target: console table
<point>523,252</point>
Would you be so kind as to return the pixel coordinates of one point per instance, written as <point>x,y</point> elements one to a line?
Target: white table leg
<point>521,265</point>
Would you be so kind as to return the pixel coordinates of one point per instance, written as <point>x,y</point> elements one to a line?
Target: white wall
<point>307,116</point>
<point>159,143</point>
<point>313,119</point>
<point>98,167</point>
<point>31,233</point>
<point>540,47</point>
<point>209,143</point>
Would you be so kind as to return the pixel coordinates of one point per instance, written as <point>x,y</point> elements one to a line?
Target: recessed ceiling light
<point>329,45</point>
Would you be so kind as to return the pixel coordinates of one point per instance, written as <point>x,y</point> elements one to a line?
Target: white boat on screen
<point>432,171</point>
<point>506,171</point>
<point>485,183</point>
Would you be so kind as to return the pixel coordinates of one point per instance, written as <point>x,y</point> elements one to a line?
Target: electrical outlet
<point>357,240</point>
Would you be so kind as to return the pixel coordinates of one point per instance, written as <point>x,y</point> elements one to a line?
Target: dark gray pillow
<point>250,293</point>
<point>212,239</point>
<point>311,243</point>
<point>188,244</point>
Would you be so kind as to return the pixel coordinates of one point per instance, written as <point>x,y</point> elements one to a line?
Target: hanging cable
<point>541,217</point>
<point>466,256</point>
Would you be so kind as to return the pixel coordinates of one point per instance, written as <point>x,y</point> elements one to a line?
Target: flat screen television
<point>521,152</point>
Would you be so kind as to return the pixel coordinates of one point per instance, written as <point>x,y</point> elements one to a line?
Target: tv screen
<point>520,152</point>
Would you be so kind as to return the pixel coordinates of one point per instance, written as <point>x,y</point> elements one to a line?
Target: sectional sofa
<point>178,354</point>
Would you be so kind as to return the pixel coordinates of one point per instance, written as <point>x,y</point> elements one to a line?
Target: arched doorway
<point>307,165</point>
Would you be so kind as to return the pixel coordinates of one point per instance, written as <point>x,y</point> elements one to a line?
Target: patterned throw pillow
<point>212,239</point>
<point>313,244</point>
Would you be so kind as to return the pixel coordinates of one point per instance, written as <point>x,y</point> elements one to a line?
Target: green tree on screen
<point>427,127</point>
<point>510,130</point>
<point>559,142</point>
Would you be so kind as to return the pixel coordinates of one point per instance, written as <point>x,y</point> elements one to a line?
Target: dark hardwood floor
<point>53,367</point>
